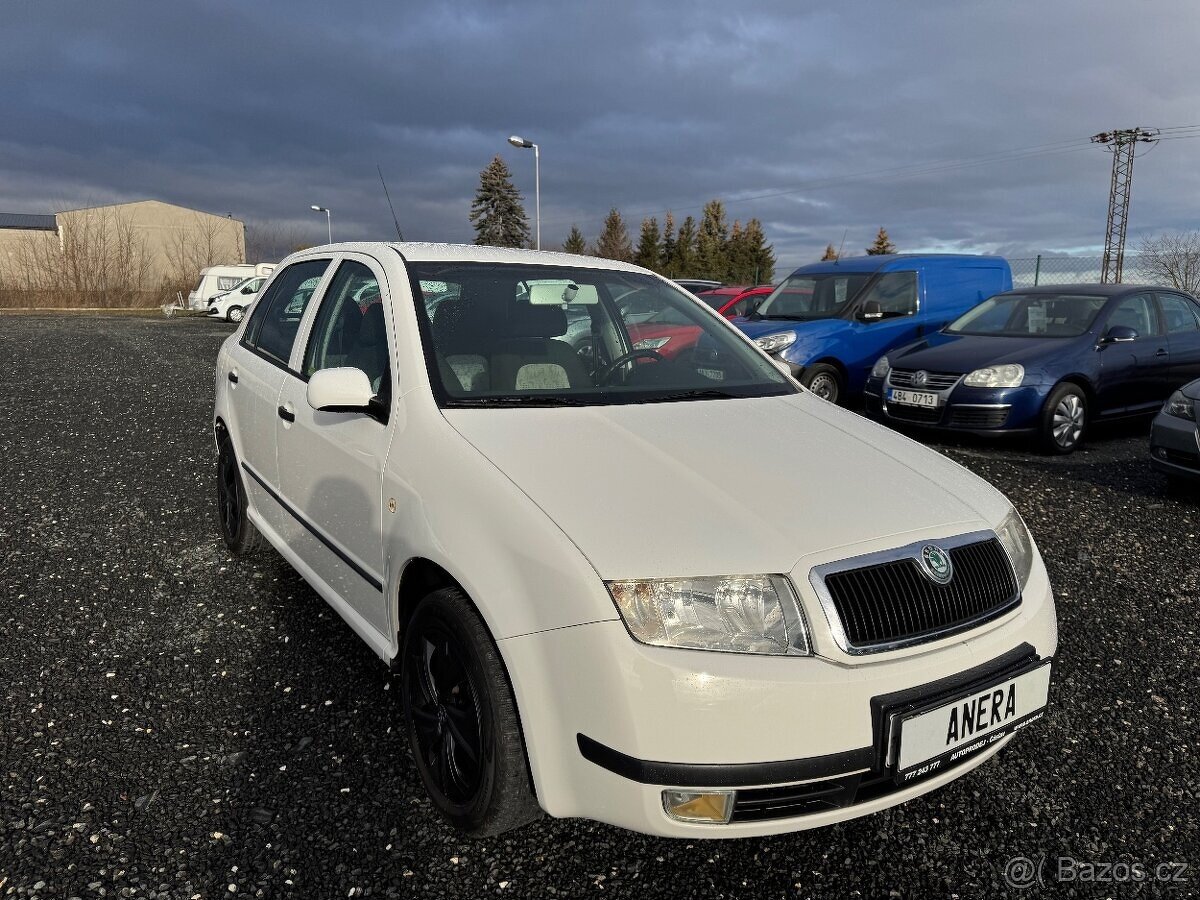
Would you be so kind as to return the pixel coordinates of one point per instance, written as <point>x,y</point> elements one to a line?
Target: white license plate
<point>933,740</point>
<point>913,398</point>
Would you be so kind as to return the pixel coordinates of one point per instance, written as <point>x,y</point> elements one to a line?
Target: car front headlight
<point>881,368</point>
<point>650,343</point>
<point>734,613</point>
<point>1015,539</point>
<point>996,377</point>
<point>1180,406</point>
<point>773,343</point>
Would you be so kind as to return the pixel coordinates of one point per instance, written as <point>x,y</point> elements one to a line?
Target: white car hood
<point>723,486</point>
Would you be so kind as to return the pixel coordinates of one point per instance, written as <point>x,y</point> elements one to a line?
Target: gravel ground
<point>174,723</point>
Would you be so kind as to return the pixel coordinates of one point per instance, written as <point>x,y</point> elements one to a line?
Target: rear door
<point>331,464</point>
<point>261,365</point>
<point>1181,320</point>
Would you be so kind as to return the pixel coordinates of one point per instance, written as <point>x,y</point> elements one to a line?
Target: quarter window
<point>1179,315</point>
<point>349,329</point>
<point>276,319</point>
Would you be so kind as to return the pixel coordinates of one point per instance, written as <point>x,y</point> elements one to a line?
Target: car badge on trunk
<point>935,563</point>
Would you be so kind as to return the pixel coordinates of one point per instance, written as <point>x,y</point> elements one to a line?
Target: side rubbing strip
<point>312,529</point>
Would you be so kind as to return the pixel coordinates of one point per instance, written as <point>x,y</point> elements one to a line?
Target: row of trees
<point>709,248</point>
<point>882,246</point>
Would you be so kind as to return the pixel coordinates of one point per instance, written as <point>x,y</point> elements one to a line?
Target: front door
<point>331,463</point>
<point>1131,372</point>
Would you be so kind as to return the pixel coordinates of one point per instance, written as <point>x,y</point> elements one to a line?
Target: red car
<point>735,301</point>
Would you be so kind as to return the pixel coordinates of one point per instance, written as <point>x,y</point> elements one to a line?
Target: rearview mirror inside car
<point>555,293</point>
<point>340,390</point>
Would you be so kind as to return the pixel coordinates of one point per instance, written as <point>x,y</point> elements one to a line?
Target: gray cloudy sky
<point>789,111</point>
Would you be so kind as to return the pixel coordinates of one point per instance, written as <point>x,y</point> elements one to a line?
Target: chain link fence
<point>1033,270</point>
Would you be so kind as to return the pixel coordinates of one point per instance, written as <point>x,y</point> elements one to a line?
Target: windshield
<point>500,335</point>
<point>805,297</point>
<point>1030,315</point>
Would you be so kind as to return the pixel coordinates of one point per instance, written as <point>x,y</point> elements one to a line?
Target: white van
<point>220,279</point>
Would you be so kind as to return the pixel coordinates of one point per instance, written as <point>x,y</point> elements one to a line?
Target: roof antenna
<point>395,221</point>
<point>837,259</point>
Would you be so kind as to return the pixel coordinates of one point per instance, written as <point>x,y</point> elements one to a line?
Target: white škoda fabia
<point>627,570</point>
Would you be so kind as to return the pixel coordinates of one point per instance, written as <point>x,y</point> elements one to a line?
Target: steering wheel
<point>644,353</point>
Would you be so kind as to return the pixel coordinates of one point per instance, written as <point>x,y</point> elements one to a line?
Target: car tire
<point>825,381</point>
<point>234,314</point>
<point>462,720</point>
<point>1064,420</point>
<point>241,537</point>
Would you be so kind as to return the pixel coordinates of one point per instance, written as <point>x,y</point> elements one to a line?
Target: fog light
<point>714,807</point>
<point>1160,452</point>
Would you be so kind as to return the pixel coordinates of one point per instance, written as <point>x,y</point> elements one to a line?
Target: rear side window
<point>1179,315</point>
<point>276,318</point>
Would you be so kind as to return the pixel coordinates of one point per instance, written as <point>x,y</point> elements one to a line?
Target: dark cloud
<point>819,120</point>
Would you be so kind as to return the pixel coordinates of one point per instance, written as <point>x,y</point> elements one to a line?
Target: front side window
<point>517,334</point>
<point>276,318</point>
<point>1030,315</point>
<point>1136,312</point>
<point>349,329</point>
<point>896,294</point>
<point>1179,314</point>
<point>806,297</point>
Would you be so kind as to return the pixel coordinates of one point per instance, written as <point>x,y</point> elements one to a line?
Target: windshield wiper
<point>520,400</point>
<point>697,394</point>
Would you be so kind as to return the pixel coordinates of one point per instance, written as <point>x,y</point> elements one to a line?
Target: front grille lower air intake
<point>886,600</point>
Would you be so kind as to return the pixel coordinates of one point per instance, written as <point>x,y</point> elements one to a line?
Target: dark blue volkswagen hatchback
<point>1048,360</point>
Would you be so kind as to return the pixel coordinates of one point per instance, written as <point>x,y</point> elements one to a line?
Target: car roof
<point>418,251</point>
<point>1094,289</point>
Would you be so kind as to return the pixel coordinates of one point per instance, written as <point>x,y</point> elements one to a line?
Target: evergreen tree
<point>685,250</point>
<point>883,244</point>
<point>575,242</point>
<point>649,249</point>
<point>739,260</point>
<point>762,253</point>
<point>614,242</point>
<point>830,253</point>
<point>711,242</point>
<point>496,212</point>
<point>668,247</point>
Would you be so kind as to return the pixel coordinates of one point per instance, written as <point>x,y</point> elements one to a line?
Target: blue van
<point>831,321</point>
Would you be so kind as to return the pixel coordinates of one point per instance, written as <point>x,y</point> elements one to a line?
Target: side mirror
<point>1119,334</point>
<point>871,311</point>
<point>340,390</point>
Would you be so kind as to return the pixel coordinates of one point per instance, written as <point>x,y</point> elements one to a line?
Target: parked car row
<point>515,475</point>
<point>910,334</point>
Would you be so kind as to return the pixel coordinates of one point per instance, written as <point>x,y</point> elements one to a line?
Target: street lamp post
<point>328,220</point>
<point>537,186</point>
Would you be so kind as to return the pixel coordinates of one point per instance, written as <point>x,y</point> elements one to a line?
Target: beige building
<point>123,254</point>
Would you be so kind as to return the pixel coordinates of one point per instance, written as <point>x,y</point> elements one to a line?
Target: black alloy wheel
<point>461,712</point>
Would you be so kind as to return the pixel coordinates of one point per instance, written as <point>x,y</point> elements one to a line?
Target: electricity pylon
<point>1123,144</point>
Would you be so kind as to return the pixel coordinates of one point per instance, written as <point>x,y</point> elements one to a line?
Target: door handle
<point>1161,352</point>
<point>286,414</point>
<point>233,378</point>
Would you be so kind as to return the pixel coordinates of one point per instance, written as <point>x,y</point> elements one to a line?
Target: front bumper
<point>1175,446</point>
<point>610,723</point>
<point>964,409</point>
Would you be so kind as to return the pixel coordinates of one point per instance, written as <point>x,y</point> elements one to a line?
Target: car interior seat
<point>530,359</point>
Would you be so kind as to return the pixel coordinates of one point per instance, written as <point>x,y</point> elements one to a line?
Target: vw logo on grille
<point>936,564</point>
<point>920,378</point>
